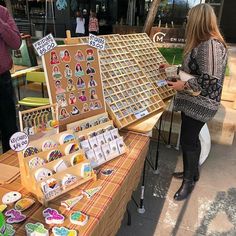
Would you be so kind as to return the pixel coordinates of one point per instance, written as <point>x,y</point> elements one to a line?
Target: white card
<point>90,154</point>
<point>115,133</point>
<point>107,136</point>
<point>100,140</point>
<point>114,148</point>
<point>93,142</point>
<point>106,151</point>
<point>99,155</point>
<point>85,145</point>
<point>121,145</point>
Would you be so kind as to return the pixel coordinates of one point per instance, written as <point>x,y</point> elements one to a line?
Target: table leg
<point>129,217</point>
<point>141,208</point>
<point>170,130</point>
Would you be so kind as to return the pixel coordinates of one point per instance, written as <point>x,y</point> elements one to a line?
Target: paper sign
<point>97,42</point>
<point>44,45</point>
<point>140,114</point>
<point>161,83</point>
<point>19,141</point>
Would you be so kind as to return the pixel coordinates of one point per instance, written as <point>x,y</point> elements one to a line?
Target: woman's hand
<point>178,85</point>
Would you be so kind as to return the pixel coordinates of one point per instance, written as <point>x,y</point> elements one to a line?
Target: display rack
<point>55,180</point>
<point>128,92</point>
<point>149,58</point>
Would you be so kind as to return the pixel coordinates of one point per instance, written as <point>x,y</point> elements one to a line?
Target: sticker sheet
<point>74,82</point>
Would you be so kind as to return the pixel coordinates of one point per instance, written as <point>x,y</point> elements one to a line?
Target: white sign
<point>97,42</point>
<point>19,141</point>
<point>44,45</point>
<point>140,114</point>
<point>161,83</point>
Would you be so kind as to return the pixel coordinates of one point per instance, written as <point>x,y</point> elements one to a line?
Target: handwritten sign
<point>161,83</point>
<point>44,45</point>
<point>19,141</point>
<point>141,113</point>
<point>97,42</point>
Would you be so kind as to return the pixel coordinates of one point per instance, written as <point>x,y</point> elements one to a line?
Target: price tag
<point>140,114</point>
<point>97,42</point>
<point>161,83</point>
<point>44,45</point>
<point>19,141</point>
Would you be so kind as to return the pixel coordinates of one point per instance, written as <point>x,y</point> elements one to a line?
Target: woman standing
<point>93,23</point>
<point>80,28</point>
<point>205,58</point>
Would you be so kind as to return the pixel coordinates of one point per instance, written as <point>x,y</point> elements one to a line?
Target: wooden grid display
<point>128,93</point>
<point>149,58</point>
<point>72,84</point>
<point>29,181</point>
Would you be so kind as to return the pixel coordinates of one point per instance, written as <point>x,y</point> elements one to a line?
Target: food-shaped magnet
<point>14,216</point>
<point>85,145</point>
<point>99,155</point>
<point>60,166</point>
<point>36,162</point>
<point>90,154</point>
<point>54,155</point>
<point>71,148</point>
<point>100,140</point>
<point>11,197</point>
<point>36,229</point>
<point>29,151</point>
<point>93,142</point>
<point>49,144</point>
<point>50,188</point>
<point>114,148</point>
<point>24,203</point>
<point>92,191</point>
<point>62,231</point>
<point>53,217</point>
<point>42,173</point>
<point>106,151</point>
<point>107,136</point>
<point>9,230</point>
<point>70,203</point>
<point>65,138</point>
<point>115,133</point>
<point>120,144</point>
<point>3,207</point>
<point>86,170</point>
<point>68,180</point>
<point>79,218</point>
<point>77,158</point>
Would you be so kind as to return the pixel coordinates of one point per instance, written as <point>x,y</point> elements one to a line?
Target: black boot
<point>180,175</point>
<point>185,189</point>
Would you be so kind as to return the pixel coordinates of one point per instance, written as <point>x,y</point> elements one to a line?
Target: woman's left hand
<point>178,85</point>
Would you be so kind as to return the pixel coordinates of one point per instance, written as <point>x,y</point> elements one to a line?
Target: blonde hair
<point>201,26</point>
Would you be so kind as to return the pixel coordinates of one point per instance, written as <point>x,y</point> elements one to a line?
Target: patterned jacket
<point>207,62</point>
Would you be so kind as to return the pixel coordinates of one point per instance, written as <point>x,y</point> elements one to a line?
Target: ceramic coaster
<point>29,151</point>
<point>11,197</point>
<point>62,231</point>
<point>71,148</point>
<point>51,188</point>
<point>90,192</point>
<point>69,203</point>
<point>60,166</point>
<point>53,155</point>
<point>77,158</point>
<point>24,203</point>
<point>36,162</point>
<point>68,180</point>
<point>53,217</point>
<point>65,138</point>
<point>36,229</point>
<point>86,170</point>
<point>42,173</point>
<point>14,216</point>
<point>78,218</point>
<point>49,144</point>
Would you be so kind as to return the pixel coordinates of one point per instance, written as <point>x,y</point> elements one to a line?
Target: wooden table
<point>107,207</point>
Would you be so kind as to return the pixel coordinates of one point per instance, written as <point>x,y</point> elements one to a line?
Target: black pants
<point>93,32</point>
<point>7,110</point>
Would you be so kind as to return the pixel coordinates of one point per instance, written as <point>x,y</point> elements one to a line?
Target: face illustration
<point>56,69</point>
<point>58,84</point>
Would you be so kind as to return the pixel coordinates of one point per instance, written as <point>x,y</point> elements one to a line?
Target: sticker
<point>92,191</point>
<point>86,170</point>
<point>14,216</point>
<point>97,105</point>
<point>65,56</point>
<point>77,158</point>
<point>50,188</point>
<point>114,133</point>
<point>68,180</point>
<point>54,58</point>
<point>24,204</point>
<point>65,138</point>
<point>85,108</point>
<point>3,207</point>
<point>42,173</point>
<point>99,155</point>
<point>48,144</point>
<point>78,70</point>
<point>58,87</point>
<point>106,151</point>
<point>36,229</point>
<point>107,136</point>
<point>29,151</point>
<point>78,218</point>
<point>60,166</point>
<point>70,203</point>
<point>121,145</point>
<point>64,114</point>
<point>62,231</point>
<point>71,148</point>
<point>93,94</point>
<point>75,111</point>
<point>68,71</point>
<point>54,155</point>
<point>90,56</point>
<point>56,74</point>
<point>100,139</point>
<point>90,70</point>
<point>53,217</point>
<point>36,162</point>
<point>61,100</point>
<point>93,142</point>
<point>92,82</point>
<point>79,56</point>
<point>80,83</point>
<point>11,197</point>
<point>19,141</point>
<point>107,172</point>
<point>82,96</point>
<point>114,148</point>
<point>70,87</point>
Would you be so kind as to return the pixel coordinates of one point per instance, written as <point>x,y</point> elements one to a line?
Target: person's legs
<point>7,110</point>
<point>191,149</point>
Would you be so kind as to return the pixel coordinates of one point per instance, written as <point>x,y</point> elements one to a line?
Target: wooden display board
<point>128,92</point>
<point>74,82</point>
<point>149,58</point>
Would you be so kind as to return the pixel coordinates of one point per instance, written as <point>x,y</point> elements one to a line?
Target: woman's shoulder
<point>212,42</point>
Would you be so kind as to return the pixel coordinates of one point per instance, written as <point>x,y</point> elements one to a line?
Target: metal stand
<point>141,208</point>
<point>171,125</point>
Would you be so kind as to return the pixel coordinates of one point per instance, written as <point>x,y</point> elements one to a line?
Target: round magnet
<point>29,151</point>
<point>65,138</point>
<point>49,144</point>
<point>42,174</point>
<point>11,197</point>
<point>53,155</point>
<point>36,162</point>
